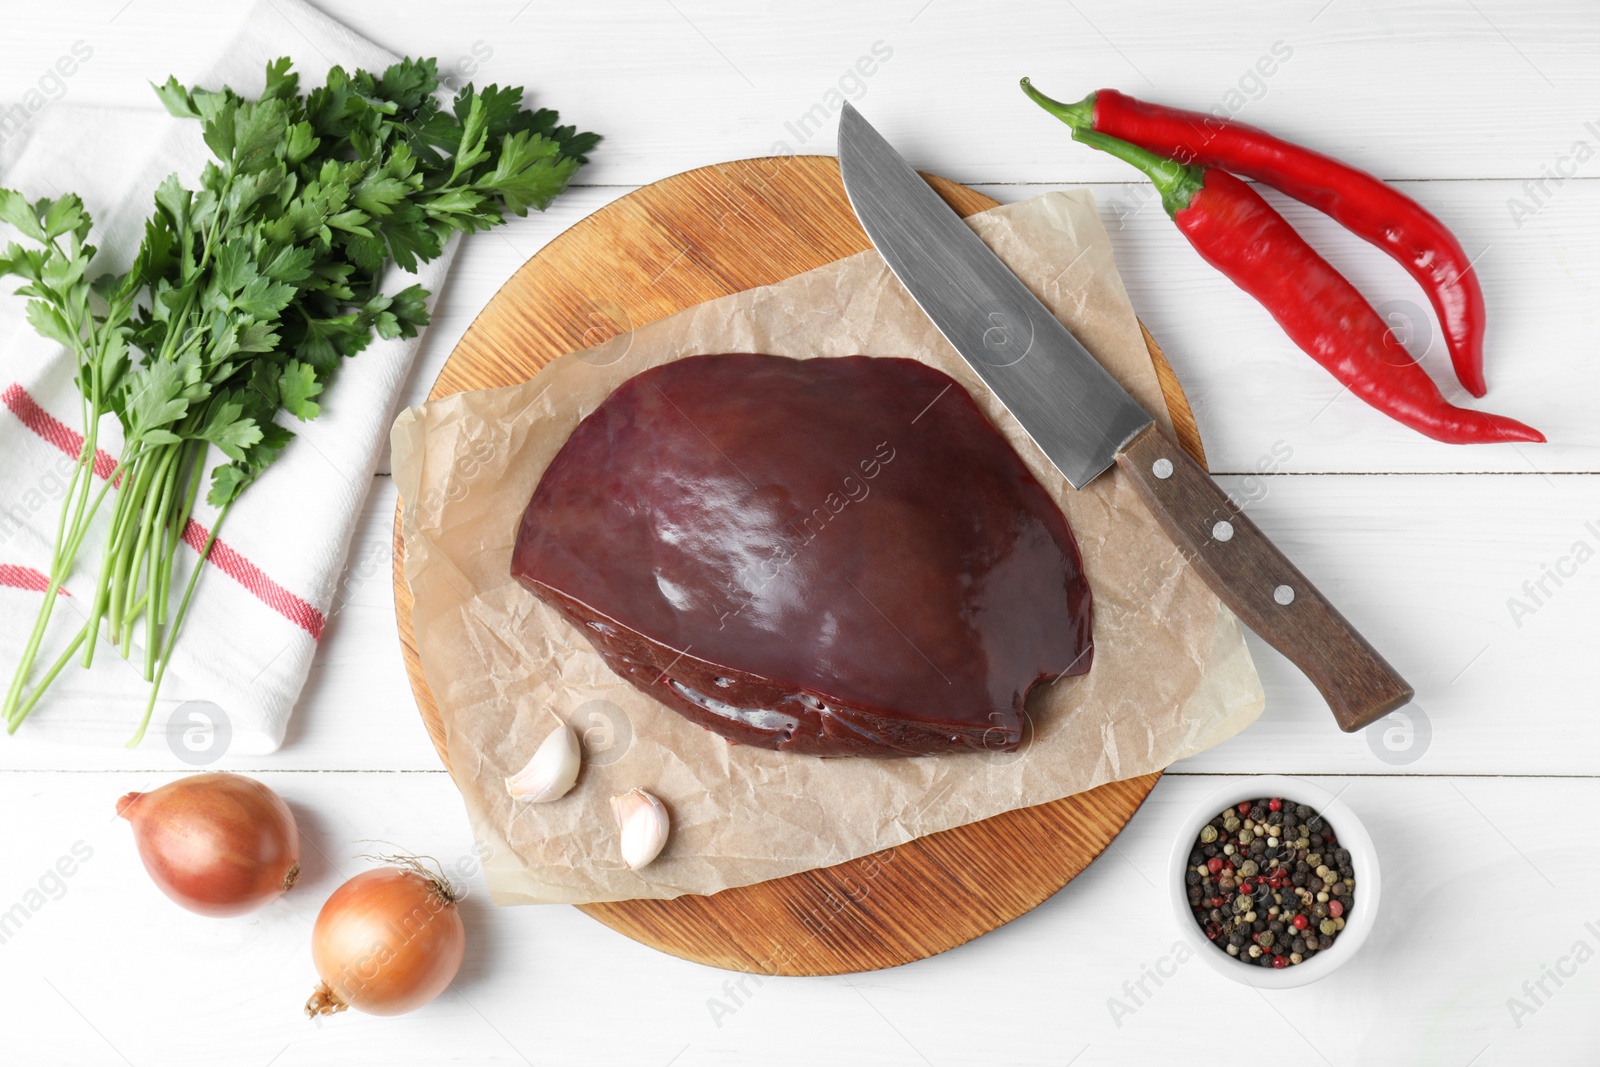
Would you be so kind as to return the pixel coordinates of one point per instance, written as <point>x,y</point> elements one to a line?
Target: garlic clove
<point>643,822</point>
<point>551,771</point>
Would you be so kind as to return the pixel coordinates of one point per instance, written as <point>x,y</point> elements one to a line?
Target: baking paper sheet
<point>1171,673</point>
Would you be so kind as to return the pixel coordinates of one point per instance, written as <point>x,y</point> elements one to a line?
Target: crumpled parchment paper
<point>1171,673</point>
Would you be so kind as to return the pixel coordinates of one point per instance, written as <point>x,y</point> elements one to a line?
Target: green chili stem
<point>1177,184</point>
<point>1080,116</point>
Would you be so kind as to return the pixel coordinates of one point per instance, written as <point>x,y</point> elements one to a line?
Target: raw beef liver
<point>835,556</point>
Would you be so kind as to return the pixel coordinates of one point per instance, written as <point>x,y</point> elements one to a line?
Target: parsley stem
<point>114,574</point>
<point>122,477</point>
<point>21,713</point>
<point>161,492</point>
<point>178,524</point>
<point>41,621</point>
<point>95,410</point>
<point>177,626</point>
<point>173,522</point>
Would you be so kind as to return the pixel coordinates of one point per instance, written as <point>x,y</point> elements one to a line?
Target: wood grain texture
<point>668,246</point>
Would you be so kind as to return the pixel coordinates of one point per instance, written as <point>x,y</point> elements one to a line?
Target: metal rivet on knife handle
<point>1258,583</point>
<point>1162,468</point>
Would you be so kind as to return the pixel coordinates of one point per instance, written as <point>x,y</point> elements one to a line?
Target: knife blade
<point>1085,422</point>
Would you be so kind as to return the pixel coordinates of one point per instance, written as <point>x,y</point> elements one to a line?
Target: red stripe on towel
<point>223,556</point>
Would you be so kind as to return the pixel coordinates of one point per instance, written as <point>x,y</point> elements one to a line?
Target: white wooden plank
<point>1490,90</point>
<point>1251,386</point>
<point>1418,90</point>
<point>107,971</point>
<point>356,711</point>
<point>1432,570</point>
<point>1252,390</point>
<point>1437,598</point>
<point>1427,566</point>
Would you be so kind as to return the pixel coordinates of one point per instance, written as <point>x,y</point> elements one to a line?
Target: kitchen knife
<point>1084,422</point>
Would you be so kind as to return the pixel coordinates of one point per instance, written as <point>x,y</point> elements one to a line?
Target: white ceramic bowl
<point>1351,835</point>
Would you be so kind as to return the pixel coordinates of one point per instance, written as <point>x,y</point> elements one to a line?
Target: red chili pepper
<point>1240,234</point>
<point>1363,204</point>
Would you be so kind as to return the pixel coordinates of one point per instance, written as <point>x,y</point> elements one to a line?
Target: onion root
<point>324,1002</point>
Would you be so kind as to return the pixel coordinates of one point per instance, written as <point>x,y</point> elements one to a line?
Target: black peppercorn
<point>1258,900</point>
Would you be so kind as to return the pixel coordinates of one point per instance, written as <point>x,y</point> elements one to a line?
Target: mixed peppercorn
<point>1269,884</point>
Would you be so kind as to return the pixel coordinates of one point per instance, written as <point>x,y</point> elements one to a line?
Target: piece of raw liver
<point>834,556</point>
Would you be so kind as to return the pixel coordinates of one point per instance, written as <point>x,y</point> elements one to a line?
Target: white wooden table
<point>1485,822</point>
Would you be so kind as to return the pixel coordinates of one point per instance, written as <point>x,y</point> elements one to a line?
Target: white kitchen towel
<point>261,606</point>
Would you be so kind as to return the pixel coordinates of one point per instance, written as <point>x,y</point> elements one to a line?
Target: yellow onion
<point>219,844</point>
<point>387,942</point>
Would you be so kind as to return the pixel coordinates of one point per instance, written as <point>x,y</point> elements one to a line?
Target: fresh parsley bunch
<point>244,296</point>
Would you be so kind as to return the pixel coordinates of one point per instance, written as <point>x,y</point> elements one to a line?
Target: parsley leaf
<point>249,289</point>
<point>531,172</point>
<point>296,388</point>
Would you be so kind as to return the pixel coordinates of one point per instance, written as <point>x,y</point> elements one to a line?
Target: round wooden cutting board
<point>679,242</point>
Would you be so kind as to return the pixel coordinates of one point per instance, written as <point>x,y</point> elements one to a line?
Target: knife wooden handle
<point>1260,585</point>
